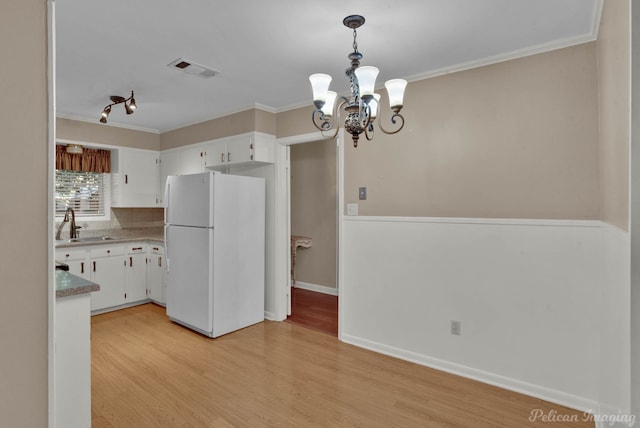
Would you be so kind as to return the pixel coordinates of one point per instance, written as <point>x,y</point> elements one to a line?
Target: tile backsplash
<point>125,218</point>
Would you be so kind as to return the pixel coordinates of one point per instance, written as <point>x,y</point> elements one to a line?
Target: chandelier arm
<point>332,135</point>
<point>320,121</point>
<point>369,131</point>
<point>394,119</point>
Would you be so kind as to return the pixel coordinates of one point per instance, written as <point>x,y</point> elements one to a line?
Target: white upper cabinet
<point>252,149</point>
<point>191,159</point>
<point>135,178</point>
<point>244,150</point>
<point>215,154</point>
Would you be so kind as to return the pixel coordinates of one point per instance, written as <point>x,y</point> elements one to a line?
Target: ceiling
<point>265,50</point>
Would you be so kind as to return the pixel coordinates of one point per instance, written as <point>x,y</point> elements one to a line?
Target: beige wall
<point>295,122</point>
<point>613,59</point>
<point>23,214</point>
<point>313,210</point>
<point>233,124</point>
<point>104,134</point>
<point>518,139</point>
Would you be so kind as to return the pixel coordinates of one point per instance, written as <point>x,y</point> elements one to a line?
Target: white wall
<point>268,173</point>
<point>615,323</point>
<point>526,291</point>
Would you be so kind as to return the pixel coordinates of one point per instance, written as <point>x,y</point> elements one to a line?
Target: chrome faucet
<point>73,234</point>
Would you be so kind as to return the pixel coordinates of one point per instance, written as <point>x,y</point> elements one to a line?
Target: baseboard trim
<point>317,288</point>
<point>118,307</point>
<point>537,391</point>
<point>269,316</point>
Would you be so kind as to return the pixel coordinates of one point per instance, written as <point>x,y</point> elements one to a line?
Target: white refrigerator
<point>215,251</point>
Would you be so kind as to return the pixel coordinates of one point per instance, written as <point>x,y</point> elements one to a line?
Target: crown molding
<point>114,124</point>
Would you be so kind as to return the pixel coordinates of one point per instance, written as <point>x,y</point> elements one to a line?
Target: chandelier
<point>363,107</point>
<point>129,106</point>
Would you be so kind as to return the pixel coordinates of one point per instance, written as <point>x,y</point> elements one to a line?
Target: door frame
<point>283,221</point>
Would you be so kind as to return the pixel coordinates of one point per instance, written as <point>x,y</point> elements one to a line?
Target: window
<point>86,192</point>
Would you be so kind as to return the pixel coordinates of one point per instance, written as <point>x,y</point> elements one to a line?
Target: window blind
<point>85,192</point>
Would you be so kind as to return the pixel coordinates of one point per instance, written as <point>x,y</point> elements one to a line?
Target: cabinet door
<point>240,150</point>
<point>169,165</point>
<point>155,275</point>
<point>80,268</point>
<point>135,279</point>
<point>215,154</point>
<point>142,173</point>
<point>136,177</point>
<point>108,272</point>
<point>191,160</point>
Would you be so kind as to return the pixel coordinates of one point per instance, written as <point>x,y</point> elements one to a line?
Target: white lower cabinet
<point>155,274</point>
<point>127,273</point>
<point>107,270</point>
<point>77,260</point>
<point>135,277</point>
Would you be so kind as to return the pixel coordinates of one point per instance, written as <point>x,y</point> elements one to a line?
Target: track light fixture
<point>129,106</point>
<point>362,108</point>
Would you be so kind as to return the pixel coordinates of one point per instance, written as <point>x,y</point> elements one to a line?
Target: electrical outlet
<point>352,209</point>
<point>362,193</point>
<point>456,327</point>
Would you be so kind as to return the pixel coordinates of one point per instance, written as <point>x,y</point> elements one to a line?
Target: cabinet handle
<point>221,157</point>
<point>228,156</point>
<point>130,261</point>
<point>160,261</point>
<point>81,267</point>
<point>126,179</point>
<point>155,249</point>
<point>108,251</point>
<point>66,255</point>
<point>136,248</point>
<point>94,266</point>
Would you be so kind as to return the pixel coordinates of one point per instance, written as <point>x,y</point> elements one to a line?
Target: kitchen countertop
<point>117,236</point>
<point>71,285</point>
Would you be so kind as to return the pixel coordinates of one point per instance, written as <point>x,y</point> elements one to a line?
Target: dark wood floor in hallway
<point>318,311</point>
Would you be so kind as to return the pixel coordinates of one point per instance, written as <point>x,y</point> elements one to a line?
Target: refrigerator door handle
<point>166,249</point>
<point>166,199</point>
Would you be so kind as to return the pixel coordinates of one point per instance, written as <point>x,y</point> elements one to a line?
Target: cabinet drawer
<point>136,248</point>
<point>107,251</point>
<point>70,255</point>
<point>156,249</point>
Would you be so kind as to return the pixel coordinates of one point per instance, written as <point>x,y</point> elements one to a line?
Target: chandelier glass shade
<point>360,109</point>
<point>129,106</point>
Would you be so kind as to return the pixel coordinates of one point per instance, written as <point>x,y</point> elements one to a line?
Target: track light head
<point>105,114</point>
<point>131,106</point>
<point>132,103</point>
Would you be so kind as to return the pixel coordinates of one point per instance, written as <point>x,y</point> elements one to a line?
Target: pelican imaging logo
<point>553,416</point>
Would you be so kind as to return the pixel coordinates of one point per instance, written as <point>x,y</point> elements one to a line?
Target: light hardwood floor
<point>150,372</point>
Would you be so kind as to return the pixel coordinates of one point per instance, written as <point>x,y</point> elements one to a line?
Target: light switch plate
<point>362,193</point>
<point>352,209</point>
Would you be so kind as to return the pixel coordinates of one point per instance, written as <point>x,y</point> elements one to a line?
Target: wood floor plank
<point>315,310</point>
<point>150,372</point>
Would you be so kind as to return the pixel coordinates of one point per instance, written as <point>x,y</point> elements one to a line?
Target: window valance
<point>90,160</point>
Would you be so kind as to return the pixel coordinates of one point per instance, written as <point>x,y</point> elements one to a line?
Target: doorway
<point>313,209</point>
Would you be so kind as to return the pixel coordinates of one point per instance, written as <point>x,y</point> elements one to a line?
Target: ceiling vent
<point>191,67</point>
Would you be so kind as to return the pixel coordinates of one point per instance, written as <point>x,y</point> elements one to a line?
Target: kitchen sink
<point>92,239</point>
<point>89,239</point>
